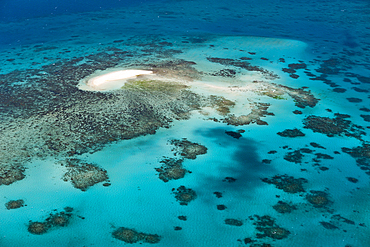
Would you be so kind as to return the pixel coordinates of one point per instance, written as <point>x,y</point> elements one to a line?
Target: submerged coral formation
<point>38,228</point>
<point>11,173</point>
<point>171,169</point>
<point>132,236</point>
<point>268,228</point>
<point>243,64</point>
<point>258,110</point>
<point>287,183</point>
<point>233,222</point>
<point>284,207</point>
<point>60,219</point>
<point>362,156</point>
<point>318,199</point>
<point>185,195</point>
<point>291,133</point>
<point>14,204</point>
<point>301,96</point>
<point>83,175</point>
<point>333,126</point>
<point>221,104</point>
<point>187,149</point>
<point>49,115</point>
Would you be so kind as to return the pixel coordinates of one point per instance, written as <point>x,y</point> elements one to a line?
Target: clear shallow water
<point>234,179</point>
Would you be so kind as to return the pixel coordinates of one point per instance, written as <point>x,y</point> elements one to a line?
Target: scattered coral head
<point>132,236</point>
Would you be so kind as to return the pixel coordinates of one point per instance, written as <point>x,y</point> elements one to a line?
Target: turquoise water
<point>251,131</point>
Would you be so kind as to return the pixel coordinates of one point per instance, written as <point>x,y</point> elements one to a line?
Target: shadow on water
<point>241,162</point>
<point>349,40</point>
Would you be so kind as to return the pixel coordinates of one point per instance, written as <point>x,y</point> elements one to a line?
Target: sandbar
<point>105,80</point>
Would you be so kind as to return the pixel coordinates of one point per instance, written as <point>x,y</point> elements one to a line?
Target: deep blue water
<point>24,9</point>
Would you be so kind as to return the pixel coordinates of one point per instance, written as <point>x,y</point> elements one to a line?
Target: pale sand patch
<point>110,79</point>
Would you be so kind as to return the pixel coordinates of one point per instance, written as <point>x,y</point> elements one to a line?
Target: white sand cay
<point>110,80</point>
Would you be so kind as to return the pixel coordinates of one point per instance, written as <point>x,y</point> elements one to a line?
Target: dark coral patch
<point>362,156</point>
<point>365,109</point>
<point>182,217</point>
<point>233,222</point>
<point>131,236</point>
<point>14,204</point>
<point>244,65</point>
<point>185,195</point>
<point>284,207</point>
<point>172,169</point>
<point>339,90</point>
<point>268,228</point>
<point>333,126</point>
<point>229,179</point>
<point>83,175</point>
<point>297,66</point>
<point>259,110</point>
<point>287,183</point>
<point>328,225</point>
<point>318,199</point>
<point>316,145</point>
<point>353,180</point>
<point>11,173</point>
<point>187,149</point>
<point>38,228</point>
<point>291,133</point>
<point>366,117</point>
<point>233,134</point>
<point>294,156</point>
<point>225,73</point>
<point>54,220</point>
<point>354,100</point>
<point>360,90</point>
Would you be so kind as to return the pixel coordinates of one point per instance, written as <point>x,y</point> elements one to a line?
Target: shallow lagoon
<point>218,86</point>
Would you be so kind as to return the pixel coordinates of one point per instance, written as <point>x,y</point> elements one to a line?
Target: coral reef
<point>333,126</point>
<point>185,195</point>
<point>284,207</point>
<point>301,96</point>
<point>268,228</point>
<point>221,104</point>
<point>235,134</point>
<point>291,133</point>
<point>83,175</point>
<point>60,219</point>
<point>11,173</point>
<point>362,156</point>
<point>38,228</point>
<point>359,152</point>
<point>258,110</point>
<point>132,236</point>
<point>171,169</point>
<point>187,149</point>
<point>233,222</point>
<point>287,183</point>
<point>293,67</point>
<point>294,156</point>
<point>318,199</point>
<point>225,73</point>
<point>49,115</point>
<point>244,65</point>
<point>14,204</point>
